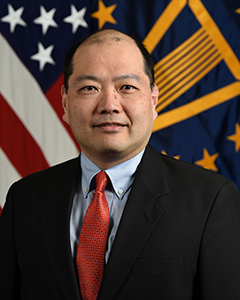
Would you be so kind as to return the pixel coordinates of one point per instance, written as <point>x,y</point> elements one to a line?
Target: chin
<point>113,151</point>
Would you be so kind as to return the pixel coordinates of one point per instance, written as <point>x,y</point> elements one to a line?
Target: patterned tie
<point>92,242</point>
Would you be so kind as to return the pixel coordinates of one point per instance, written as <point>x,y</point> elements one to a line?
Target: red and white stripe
<point>32,133</point>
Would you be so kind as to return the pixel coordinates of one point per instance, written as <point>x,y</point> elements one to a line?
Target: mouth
<point>110,126</point>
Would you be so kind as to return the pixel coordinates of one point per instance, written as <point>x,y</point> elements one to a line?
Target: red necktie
<point>92,242</point>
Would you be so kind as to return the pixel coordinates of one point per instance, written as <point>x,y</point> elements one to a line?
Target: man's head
<point>109,98</point>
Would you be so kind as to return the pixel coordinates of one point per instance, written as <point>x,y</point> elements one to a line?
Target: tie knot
<point>101,181</point>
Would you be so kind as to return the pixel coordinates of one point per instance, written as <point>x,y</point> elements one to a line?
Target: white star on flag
<point>43,56</point>
<point>46,19</point>
<point>76,18</point>
<point>14,17</point>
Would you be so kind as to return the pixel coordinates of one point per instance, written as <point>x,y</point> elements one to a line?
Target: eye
<point>88,88</point>
<point>127,87</point>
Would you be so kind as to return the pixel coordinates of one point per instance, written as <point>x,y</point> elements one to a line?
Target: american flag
<point>196,48</point>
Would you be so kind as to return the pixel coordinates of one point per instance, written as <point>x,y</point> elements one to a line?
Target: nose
<point>109,102</point>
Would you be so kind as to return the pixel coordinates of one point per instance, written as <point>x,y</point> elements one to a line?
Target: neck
<point>107,160</point>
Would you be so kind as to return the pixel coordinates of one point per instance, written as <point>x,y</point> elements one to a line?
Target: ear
<point>155,93</point>
<point>64,104</point>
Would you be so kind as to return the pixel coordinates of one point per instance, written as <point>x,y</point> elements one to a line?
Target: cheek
<point>75,113</point>
<point>75,110</point>
<point>76,107</point>
<point>142,110</point>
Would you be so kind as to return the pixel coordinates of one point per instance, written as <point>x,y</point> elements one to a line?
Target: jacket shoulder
<point>55,175</point>
<point>180,174</point>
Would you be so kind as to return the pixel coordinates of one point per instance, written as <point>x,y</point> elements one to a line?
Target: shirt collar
<point>121,175</point>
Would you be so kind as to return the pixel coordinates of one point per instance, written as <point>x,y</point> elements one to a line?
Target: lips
<point>110,126</point>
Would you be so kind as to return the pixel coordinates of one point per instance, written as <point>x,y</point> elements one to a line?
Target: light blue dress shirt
<point>116,192</point>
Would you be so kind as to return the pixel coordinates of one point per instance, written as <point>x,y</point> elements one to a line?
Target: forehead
<point>114,49</point>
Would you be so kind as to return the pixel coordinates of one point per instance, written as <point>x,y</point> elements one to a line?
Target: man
<point>174,228</point>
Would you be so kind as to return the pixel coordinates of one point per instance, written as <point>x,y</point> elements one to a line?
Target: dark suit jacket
<point>179,236</point>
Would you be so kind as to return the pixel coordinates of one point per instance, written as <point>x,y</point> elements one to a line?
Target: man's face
<point>110,105</point>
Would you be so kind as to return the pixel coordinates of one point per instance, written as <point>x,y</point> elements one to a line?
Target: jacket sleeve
<point>219,258</point>
<point>10,278</point>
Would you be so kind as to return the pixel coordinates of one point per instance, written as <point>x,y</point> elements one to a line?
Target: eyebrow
<point>98,79</point>
<point>128,76</point>
<point>86,77</point>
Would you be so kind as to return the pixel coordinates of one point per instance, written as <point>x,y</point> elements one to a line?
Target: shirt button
<point>120,191</point>
<point>85,190</point>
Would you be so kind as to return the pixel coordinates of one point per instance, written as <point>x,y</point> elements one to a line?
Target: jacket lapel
<point>55,226</point>
<point>140,216</point>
